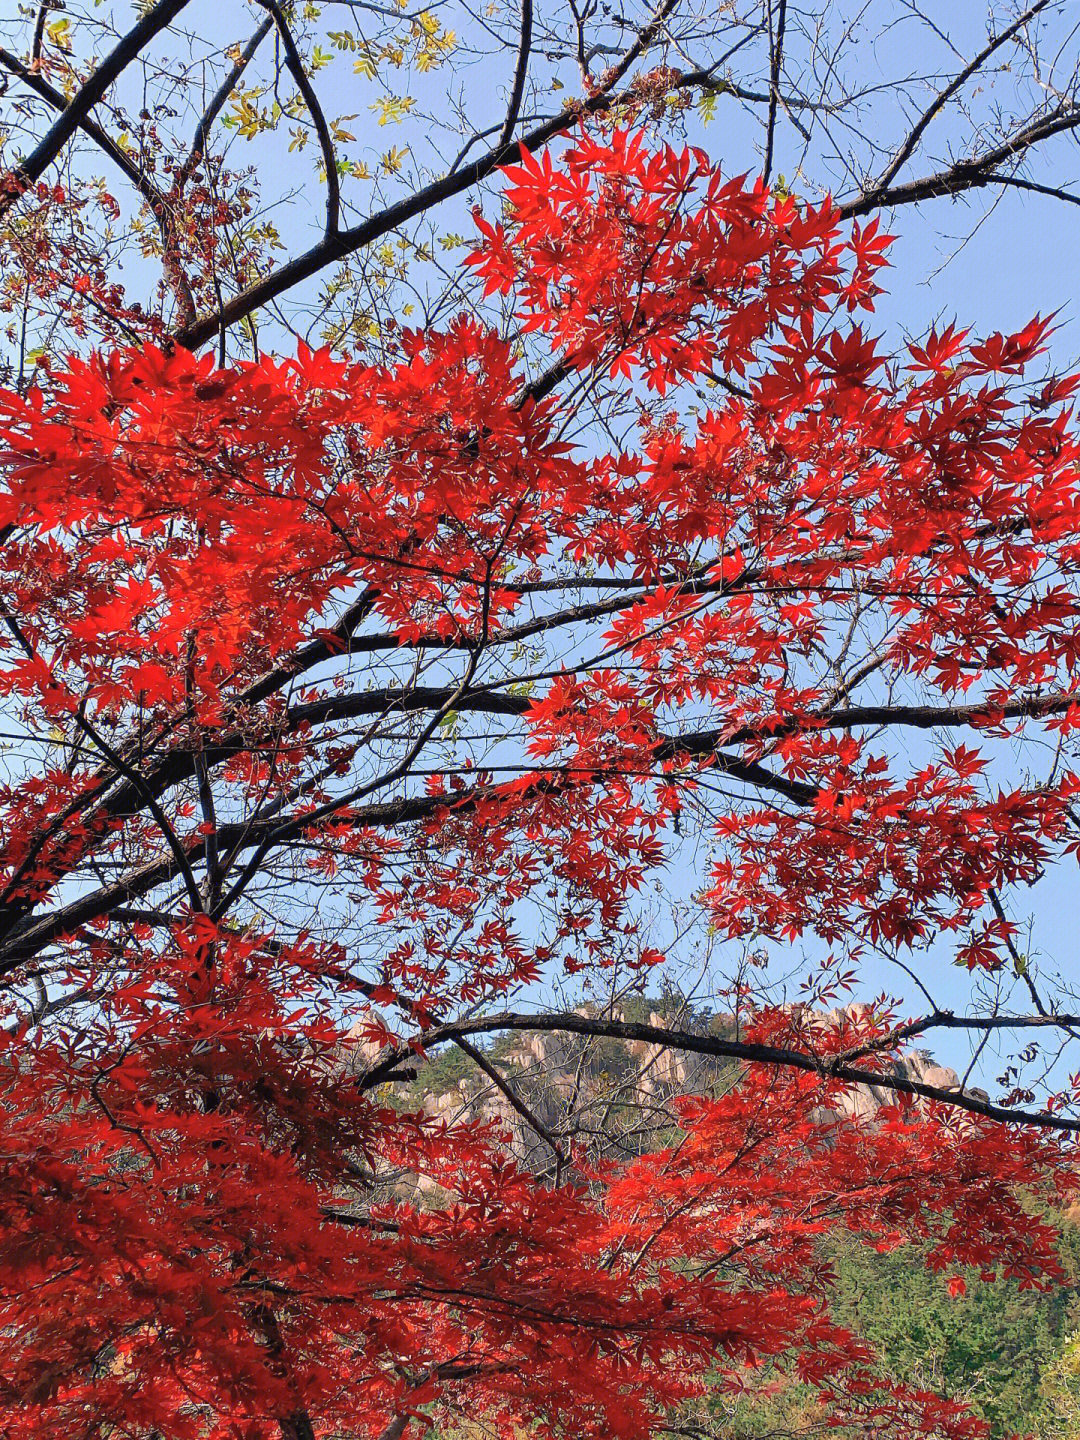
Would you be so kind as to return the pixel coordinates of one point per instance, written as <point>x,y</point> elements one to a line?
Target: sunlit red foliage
<point>250,617</point>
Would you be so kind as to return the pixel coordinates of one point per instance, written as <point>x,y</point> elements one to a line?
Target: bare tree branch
<point>748,1051</point>
<point>776,42</point>
<point>908,148</point>
<point>158,203</point>
<point>517,93</point>
<point>342,243</point>
<point>295,65</point>
<point>156,19</point>
<point>974,173</point>
<point>218,101</point>
<point>529,1115</point>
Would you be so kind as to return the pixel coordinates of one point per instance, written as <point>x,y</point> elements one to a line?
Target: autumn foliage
<point>356,697</point>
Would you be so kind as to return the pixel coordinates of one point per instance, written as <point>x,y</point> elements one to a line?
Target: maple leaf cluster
<point>354,696</point>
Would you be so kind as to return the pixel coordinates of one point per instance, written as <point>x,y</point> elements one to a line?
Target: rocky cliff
<point>608,1093</point>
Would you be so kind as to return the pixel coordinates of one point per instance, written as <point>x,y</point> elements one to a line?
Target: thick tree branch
<point>513,109</point>
<point>908,148</point>
<point>974,173</point>
<point>38,43</point>
<point>496,701</point>
<point>27,936</point>
<point>747,1051</point>
<point>338,246</point>
<point>31,934</point>
<point>776,46</point>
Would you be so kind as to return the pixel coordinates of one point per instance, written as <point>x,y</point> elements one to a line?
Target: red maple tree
<point>351,699</point>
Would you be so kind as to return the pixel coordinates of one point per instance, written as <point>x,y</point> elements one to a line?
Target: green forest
<point>1013,1356</point>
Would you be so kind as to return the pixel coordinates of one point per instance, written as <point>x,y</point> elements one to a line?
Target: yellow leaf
<point>59,32</point>
<point>391,109</point>
<point>393,159</point>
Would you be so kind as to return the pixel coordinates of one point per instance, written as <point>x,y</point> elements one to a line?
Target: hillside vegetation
<point>1012,1355</point>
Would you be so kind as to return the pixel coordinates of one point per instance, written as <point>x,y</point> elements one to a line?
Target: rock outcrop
<point>615,1086</point>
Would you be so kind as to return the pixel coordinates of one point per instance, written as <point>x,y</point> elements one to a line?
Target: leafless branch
<point>156,19</point>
